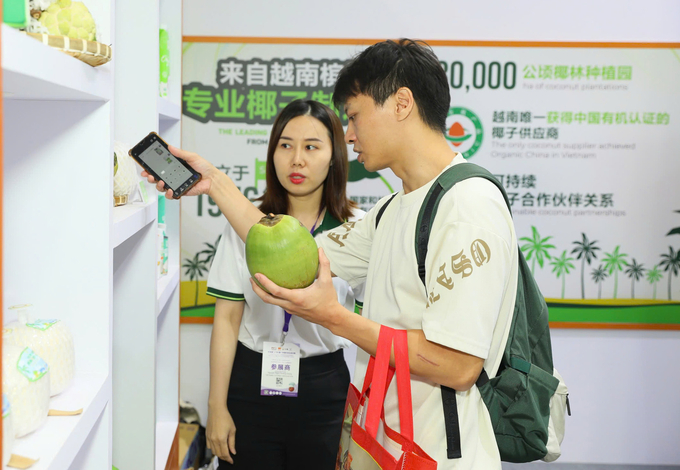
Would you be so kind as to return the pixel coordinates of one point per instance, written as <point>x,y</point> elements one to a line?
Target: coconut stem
<point>270,220</point>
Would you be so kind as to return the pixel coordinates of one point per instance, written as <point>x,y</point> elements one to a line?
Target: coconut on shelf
<point>26,381</point>
<point>50,339</point>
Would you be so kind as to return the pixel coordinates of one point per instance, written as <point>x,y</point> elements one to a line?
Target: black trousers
<point>276,433</point>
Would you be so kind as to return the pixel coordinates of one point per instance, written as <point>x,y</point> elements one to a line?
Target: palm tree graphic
<point>654,275</point>
<point>211,251</point>
<point>636,272</point>
<point>613,263</point>
<point>670,262</point>
<point>195,268</point>
<point>561,267</point>
<point>586,253</point>
<point>599,275</point>
<point>536,248</point>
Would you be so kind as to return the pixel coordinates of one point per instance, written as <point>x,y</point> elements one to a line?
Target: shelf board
<point>165,287</point>
<point>34,71</point>
<point>131,218</point>
<point>168,111</point>
<point>58,441</point>
<point>165,436</point>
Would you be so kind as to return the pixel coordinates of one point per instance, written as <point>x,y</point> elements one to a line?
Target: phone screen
<point>165,165</point>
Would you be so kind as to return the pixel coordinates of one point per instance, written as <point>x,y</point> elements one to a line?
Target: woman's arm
<point>239,211</point>
<point>221,431</point>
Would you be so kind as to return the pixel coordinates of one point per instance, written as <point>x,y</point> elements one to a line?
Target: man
<point>396,97</point>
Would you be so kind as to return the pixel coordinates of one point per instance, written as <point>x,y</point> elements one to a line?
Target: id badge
<point>280,369</point>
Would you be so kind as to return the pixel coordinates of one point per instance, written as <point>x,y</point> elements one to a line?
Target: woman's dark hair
<point>380,70</point>
<point>334,197</point>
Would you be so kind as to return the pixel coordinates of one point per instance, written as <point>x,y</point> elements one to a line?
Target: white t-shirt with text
<point>471,276</point>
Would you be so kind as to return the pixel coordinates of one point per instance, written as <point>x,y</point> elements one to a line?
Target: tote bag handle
<point>380,383</point>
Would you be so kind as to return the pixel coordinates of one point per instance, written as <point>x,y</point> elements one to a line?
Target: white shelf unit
<point>56,444</point>
<point>56,242</point>
<point>146,308</point>
<point>167,366</point>
<point>74,256</point>
<point>131,218</point>
<point>166,288</point>
<point>168,111</point>
<point>165,435</point>
<point>63,79</point>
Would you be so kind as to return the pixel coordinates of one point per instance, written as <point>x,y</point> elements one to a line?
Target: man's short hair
<point>380,70</point>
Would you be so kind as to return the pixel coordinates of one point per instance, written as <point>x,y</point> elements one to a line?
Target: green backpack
<point>522,395</point>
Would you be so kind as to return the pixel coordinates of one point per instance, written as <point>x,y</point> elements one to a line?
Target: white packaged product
<point>52,341</point>
<point>26,381</point>
<point>7,431</point>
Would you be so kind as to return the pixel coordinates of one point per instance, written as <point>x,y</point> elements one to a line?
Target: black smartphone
<point>153,155</point>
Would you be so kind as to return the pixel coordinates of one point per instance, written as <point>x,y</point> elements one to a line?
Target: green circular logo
<point>464,131</point>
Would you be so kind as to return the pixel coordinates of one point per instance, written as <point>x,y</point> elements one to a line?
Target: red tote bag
<point>359,445</point>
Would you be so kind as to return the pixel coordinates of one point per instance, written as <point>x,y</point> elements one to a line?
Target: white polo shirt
<point>229,279</point>
<point>471,280</point>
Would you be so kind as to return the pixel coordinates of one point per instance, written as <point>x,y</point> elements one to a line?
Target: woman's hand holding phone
<point>238,209</point>
<point>198,163</point>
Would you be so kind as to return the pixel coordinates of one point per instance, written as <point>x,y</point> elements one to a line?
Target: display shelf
<point>34,71</point>
<point>168,111</point>
<point>131,218</point>
<point>165,436</point>
<point>58,441</point>
<point>166,286</point>
<point>68,278</point>
<point>167,379</point>
<point>145,308</point>
<point>101,277</point>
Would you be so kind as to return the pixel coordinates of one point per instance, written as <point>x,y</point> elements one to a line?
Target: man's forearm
<point>437,363</point>
<point>239,211</point>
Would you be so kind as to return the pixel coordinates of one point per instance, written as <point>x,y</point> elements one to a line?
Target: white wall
<point>623,389</point>
<point>521,20</point>
<point>623,384</point>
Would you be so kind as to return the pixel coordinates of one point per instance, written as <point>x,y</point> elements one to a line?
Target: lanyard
<point>287,316</point>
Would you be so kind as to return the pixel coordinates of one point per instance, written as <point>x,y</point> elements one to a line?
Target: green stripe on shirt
<point>220,294</point>
<point>328,223</point>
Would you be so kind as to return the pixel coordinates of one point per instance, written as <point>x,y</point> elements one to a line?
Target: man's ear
<point>404,103</point>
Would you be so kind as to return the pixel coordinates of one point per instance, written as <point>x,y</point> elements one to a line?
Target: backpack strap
<point>451,424</point>
<point>428,210</point>
<point>426,217</point>
<point>382,209</point>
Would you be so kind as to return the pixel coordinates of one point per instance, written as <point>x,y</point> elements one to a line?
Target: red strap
<point>368,378</point>
<point>403,384</point>
<point>382,376</point>
<point>379,383</point>
<point>366,391</point>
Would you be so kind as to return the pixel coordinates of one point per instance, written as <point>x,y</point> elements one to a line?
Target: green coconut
<point>282,249</point>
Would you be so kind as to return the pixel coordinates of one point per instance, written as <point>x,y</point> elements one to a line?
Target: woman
<point>306,178</point>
